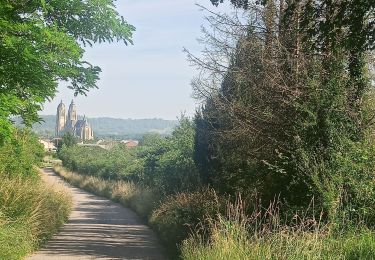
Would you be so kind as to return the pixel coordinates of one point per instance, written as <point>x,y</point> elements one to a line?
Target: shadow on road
<point>99,229</point>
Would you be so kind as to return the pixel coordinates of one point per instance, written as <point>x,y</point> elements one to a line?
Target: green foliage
<point>41,44</point>
<point>15,240</point>
<point>151,139</point>
<point>117,163</point>
<point>169,163</point>
<point>177,215</point>
<point>286,121</point>
<point>163,163</point>
<point>345,185</point>
<point>21,155</point>
<point>69,140</point>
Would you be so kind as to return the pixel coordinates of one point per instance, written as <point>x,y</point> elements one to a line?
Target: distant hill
<point>111,127</point>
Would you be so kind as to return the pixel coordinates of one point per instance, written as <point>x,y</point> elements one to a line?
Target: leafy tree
<point>281,117</point>
<point>238,3</point>
<point>346,27</point>
<point>249,115</point>
<point>151,139</point>
<point>41,44</point>
<point>69,140</point>
<point>169,164</point>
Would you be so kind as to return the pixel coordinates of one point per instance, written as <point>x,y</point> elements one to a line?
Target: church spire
<point>60,119</point>
<point>72,117</point>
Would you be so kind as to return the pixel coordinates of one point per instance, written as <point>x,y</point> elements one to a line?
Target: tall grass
<point>141,199</point>
<point>30,212</point>
<point>262,236</point>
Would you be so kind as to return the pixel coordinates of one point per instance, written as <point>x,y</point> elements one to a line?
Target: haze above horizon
<point>150,79</point>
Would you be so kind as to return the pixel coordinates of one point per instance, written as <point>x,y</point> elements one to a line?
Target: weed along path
<point>99,229</point>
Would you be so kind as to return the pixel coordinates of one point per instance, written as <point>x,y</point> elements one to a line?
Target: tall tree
<point>248,117</point>
<point>289,115</point>
<point>41,44</point>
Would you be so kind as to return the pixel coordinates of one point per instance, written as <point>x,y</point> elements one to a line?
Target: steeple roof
<point>72,104</point>
<point>61,104</point>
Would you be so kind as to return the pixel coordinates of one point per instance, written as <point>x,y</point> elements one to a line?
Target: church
<point>70,124</point>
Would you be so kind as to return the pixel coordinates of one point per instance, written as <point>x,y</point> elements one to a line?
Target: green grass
<point>30,212</point>
<point>15,239</point>
<point>237,239</point>
<point>141,199</point>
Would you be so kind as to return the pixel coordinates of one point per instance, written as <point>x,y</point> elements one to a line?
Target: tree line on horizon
<point>106,127</point>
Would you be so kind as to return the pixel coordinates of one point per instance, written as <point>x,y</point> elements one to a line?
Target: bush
<point>179,214</point>
<point>30,211</point>
<point>344,186</point>
<point>119,163</point>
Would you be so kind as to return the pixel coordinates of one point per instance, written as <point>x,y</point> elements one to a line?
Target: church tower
<point>83,129</point>
<point>70,123</point>
<point>72,118</point>
<point>60,119</point>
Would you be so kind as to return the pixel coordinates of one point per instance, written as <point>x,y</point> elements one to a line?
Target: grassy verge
<point>141,199</point>
<point>30,212</point>
<point>259,236</point>
<point>229,240</point>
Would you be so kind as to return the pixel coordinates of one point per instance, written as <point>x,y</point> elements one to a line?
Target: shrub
<point>344,187</point>
<point>178,214</point>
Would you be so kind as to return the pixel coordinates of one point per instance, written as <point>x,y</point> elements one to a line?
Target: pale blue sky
<point>151,78</point>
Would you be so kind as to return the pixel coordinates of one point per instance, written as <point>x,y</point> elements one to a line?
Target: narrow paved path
<point>99,229</point>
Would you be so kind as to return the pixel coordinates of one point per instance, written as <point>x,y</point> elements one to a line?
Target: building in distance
<point>70,123</point>
<point>130,143</point>
<point>48,145</point>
